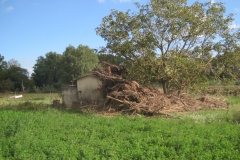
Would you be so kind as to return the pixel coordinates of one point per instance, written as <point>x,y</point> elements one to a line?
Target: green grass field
<point>31,129</point>
<point>45,98</point>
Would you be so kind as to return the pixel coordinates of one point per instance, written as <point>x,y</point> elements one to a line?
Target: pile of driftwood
<point>129,97</point>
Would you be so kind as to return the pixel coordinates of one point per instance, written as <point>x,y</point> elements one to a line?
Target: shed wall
<point>69,95</point>
<point>88,88</point>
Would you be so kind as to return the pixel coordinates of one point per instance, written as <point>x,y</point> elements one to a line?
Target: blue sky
<point>32,28</point>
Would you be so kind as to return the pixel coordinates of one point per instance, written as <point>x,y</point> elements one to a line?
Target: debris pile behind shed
<point>125,96</point>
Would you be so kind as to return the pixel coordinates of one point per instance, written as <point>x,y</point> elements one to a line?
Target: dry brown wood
<point>124,101</point>
<point>129,97</point>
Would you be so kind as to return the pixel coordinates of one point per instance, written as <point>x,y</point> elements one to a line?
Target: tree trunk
<point>22,86</point>
<point>165,85</point>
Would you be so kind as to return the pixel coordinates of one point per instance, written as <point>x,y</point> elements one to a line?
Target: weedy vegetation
<point>30,128</point>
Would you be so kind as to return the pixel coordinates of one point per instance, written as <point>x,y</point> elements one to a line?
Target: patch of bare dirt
<point>125,96</point>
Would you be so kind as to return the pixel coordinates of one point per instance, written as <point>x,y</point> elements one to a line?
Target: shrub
<point>233,115</point>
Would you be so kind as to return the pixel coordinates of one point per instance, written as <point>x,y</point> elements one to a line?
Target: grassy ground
<point>45,98</point>
<point>31,129</point>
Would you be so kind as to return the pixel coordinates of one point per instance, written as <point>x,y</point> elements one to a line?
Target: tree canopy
<point>47,70</point>
<point>112,59</point>
<point>169,42</point>
<point>13,62</point>
<point>55,69</point>
<point>78,62</point>
<point>12,76</point>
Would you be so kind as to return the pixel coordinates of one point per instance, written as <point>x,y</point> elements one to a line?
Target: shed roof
<point>87,75</point>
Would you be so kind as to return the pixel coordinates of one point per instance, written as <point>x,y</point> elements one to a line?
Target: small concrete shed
<point>69,96</point>
<point>88,88</point>
<point>86,91</point>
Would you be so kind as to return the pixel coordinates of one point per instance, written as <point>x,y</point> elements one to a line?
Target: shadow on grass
<point>37,99</point>
<point>26,106</point>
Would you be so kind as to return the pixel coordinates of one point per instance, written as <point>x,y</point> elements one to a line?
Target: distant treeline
<point>51,71</point>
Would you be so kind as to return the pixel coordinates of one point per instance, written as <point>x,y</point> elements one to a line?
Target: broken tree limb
<point>125,102</point>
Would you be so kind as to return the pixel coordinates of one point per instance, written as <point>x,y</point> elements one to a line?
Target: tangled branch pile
<point>129,97</point>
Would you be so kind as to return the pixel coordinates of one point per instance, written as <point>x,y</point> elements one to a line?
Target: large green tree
<point>78,61</point>
<point>12,76</point>
<point>47,70</point>
<point>167,42</point>
<point>18,76</point>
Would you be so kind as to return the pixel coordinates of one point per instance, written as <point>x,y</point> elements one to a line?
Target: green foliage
<point>12,76</point>
<point>37,89</point>
<point>26,135</point>
<point>233,114</point>
<point>18,76</point>
<point>3,64</point>
<point>30,129</point>
<point>47,89</point>
<point>169,42</point>
<point>7,85</point>
<point>112,59</point>
<point>55,70</point>
<point>47,70</point>
<point>225,66</point>
<point>78,62</point>
<point>13,63</point>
